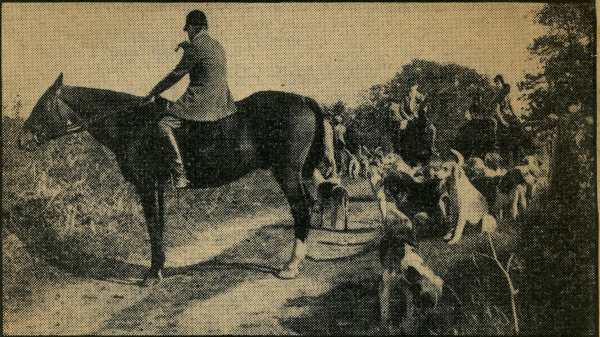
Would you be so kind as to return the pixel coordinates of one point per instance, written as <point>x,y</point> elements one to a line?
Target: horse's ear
<point>58,83</point>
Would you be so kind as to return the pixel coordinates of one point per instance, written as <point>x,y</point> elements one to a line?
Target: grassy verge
<point>67,206</point>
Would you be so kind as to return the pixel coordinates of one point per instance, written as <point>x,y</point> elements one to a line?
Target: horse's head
<point>49,119</point>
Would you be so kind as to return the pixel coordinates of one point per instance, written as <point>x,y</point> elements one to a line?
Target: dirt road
<point>223,284</point>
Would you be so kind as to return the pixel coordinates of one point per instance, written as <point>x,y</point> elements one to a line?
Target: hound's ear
<point>58,83</point>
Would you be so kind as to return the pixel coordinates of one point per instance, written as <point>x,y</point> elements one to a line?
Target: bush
<point>559,240</point>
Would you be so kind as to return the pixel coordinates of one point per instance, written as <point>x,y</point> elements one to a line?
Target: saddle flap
<point>196,138</point>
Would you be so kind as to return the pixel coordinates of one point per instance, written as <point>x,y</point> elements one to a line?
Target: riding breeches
<point>166,125</point>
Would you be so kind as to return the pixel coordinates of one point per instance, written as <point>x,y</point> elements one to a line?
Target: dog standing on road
<point>403,266</point>
<point>333,199</point>
<point>328,197</point>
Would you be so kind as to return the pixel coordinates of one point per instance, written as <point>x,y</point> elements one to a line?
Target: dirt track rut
<point>223,284</point>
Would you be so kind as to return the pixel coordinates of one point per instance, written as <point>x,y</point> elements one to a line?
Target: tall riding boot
<point>175,161</point>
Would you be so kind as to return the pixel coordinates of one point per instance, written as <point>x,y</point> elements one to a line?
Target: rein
<point>83,126</point>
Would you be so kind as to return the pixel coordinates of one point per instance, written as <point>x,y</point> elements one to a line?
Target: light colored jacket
<point>207,97</point>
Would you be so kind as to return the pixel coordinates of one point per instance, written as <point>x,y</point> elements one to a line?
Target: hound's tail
<point>459,157</point>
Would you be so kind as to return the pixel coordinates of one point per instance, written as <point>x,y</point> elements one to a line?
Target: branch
<point>509,261</point>
<point>505,271</point>
<point>485,255</point>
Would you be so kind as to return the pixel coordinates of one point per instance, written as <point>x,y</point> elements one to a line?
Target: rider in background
<point>412,101</point>
<point>339,143</point>
<point>504,109</point>
<point>478,134</point>
<point>488,142</point>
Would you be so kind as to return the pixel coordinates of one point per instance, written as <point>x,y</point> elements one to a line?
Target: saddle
<point>196,138</point>
<point>207,147</point>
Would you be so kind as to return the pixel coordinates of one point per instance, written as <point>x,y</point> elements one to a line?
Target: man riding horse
<point>282,132</point>
<point>511,136</point>
<point>409,108</point>
<point>207,98</point>
<point>478,135</point>
<point>502,104</point>
<point>415,133</point>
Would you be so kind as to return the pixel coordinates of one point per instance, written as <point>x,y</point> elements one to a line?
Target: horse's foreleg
<point>153,205</point>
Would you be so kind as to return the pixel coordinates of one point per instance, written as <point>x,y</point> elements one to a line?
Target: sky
<point>329,51</point>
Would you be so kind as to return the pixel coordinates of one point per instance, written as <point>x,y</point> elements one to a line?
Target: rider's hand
<point>184,44</point>
<point>150,98</point>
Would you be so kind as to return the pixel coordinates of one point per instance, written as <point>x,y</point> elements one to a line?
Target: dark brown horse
<point>416,142</point>
<point>272,130</point>
<point>478,137</point>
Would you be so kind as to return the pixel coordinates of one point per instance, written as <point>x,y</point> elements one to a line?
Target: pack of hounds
<point>443,196</point>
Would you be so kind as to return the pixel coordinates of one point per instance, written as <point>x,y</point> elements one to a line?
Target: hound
<point>466,203</point>
<point>379,170</point>
<point>332,198</point>
<point>353,165</point>
<point>500,189</point>
<point>494,161</point>
<point>477,167</point>
<point>402,265</point>
<point>410,189</point>
<point>535,173</point>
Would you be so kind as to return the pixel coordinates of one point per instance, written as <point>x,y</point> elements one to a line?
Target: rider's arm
<point>183,67</point>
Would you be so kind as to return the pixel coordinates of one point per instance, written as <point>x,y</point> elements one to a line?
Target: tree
<point>559,238</point>
<point>566,53</point>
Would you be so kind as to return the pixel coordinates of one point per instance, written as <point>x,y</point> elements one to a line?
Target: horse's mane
<point>95,102</point>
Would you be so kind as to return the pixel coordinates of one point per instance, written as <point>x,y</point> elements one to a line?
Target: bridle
<point>55,110</point>
<point>72,120</point>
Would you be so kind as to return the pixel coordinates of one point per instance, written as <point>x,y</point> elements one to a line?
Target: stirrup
<point>180,181</point>
<point>179,177</point>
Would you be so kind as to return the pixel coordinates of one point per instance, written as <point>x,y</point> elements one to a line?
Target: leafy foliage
<point>559,236</point>
<point>566,53</point>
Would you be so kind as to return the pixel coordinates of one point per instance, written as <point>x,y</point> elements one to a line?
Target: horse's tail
<point>316,153</point>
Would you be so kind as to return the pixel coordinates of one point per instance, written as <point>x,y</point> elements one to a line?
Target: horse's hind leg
<point>290,181</point>
<point>287,169</point>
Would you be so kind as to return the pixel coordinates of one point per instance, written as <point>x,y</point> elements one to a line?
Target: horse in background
<point>414,140</point>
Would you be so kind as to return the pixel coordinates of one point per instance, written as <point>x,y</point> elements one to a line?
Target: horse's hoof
<point>152,279</point>
<point>289,273</point>
<point>448,236</point>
